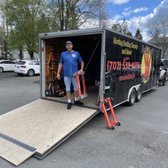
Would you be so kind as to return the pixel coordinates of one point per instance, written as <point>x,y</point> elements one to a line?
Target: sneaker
<point>78,103</point>
<point>69,106</point>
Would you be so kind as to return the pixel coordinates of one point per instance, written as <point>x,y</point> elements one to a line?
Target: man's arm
<point>82,66</point>
<point>59,70</point>
<point>82,62</point>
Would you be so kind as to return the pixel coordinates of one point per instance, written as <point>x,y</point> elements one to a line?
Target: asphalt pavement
<point>16,91</point>
<point>140,142</point>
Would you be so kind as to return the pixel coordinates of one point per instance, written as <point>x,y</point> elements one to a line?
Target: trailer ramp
<point>37,128</point>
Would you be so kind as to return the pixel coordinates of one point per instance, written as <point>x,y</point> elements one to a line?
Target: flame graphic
<point>146,65</point>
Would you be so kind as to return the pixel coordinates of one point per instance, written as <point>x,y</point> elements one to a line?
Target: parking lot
<point>16,91</point>
<point>140,142</point>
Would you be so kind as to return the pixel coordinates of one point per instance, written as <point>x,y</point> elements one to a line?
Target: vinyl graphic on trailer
<point>125,63</point>
<point>146,65</point>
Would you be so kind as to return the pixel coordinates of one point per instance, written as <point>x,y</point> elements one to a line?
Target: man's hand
<point>82,68</point>
<point>59,70</point>
<point>81,71</point>
<point>58,76</point>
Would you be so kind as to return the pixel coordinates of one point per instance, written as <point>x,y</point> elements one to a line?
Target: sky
<point>138,13</point>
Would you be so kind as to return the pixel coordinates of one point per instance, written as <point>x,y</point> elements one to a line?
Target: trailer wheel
<point>111,128</point>
<point>132,98</point>
<point>139,94</point>
<point>118,124</point>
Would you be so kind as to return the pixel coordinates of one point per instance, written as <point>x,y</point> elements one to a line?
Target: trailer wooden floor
<point>37,128</point>
<point>90,101</point>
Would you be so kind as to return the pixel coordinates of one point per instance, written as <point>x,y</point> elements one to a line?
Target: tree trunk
<point>62,16</point>
<point>20,54</point>
<point>31,53</point>
<point>5,50</point>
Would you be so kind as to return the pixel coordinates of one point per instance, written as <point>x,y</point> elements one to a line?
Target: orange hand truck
<point>104,104</point>
<point>82,75</point>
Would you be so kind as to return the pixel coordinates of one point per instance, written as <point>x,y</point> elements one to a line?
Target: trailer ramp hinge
<point>106,106</point>
<point>82,75</point>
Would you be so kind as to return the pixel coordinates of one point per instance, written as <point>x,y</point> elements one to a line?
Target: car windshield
<point>21,62</point>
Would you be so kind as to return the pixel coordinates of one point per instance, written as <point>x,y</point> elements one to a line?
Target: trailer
<point>117,66</point>
<point>118,69</point>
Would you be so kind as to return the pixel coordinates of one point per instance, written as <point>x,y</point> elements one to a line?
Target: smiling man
<point>69,61</point>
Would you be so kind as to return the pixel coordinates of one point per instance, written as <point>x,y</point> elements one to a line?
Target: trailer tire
<point>139,94</point>
<point>132,98</point>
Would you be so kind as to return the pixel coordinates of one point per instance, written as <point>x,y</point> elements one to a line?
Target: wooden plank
<point>91,101</point>
<point>41,156</point>
<point>42,124</point>
<point>13,153</point>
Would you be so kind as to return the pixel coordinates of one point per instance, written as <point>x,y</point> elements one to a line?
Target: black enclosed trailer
<point>117,66</point>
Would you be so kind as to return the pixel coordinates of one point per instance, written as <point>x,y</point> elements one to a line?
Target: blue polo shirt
<point>70,61</point>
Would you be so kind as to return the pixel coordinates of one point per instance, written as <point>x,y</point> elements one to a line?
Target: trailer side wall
<point>129,63</point>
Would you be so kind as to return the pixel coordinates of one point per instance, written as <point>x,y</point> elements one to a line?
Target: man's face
<point>69,47</point>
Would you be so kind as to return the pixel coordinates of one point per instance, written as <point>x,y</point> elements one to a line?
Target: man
<point>69,61</point>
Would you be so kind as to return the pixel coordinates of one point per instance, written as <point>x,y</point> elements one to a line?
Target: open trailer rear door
<point>37,128</point>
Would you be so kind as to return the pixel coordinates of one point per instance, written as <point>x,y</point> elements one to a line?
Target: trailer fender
<point>136,87</point>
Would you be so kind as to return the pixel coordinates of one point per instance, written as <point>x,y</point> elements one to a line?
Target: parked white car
<point>6,65</point>
<point>26,67</point>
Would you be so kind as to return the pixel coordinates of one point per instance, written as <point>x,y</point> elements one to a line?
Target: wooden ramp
<point>14,153</point>
<point>37,128</point>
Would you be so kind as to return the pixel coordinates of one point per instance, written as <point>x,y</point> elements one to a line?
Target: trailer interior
<point>89,47</point>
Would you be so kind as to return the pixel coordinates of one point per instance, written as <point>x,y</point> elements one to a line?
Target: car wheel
<point>132,98</point>
<point>139,94</point>
<point>166,78</point>
<point>31,72</point>
<point>1,69</point>
<point>19,74</point>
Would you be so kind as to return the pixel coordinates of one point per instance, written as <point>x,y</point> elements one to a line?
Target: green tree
<point>16,42</point>
<point>69,15</point>
<point>138,34</point>
<point>26,19</point>
<point>4,33</point>
<point>159,33</point>
<point>2,38</point>
<point>122,27</point>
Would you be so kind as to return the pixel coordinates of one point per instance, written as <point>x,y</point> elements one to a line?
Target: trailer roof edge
<point>89,31</point>
<point>132,38</point>
<point>71,33</point>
